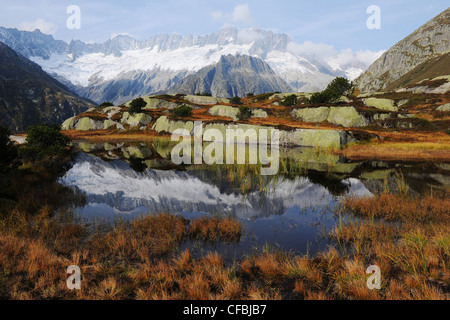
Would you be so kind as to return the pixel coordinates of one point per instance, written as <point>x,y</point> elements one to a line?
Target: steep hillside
<point>28,95</point>
<point>430,41</point>
<point>233,76</point>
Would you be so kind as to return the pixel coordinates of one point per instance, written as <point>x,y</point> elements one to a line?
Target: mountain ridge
<point>158,63</point>
<point>429,41</point>
<point>28,95</point>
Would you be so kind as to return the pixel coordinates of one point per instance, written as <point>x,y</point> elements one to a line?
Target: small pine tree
<point>106,104</point>
<point>245,113</point>
<point>182,111</point>
<point>236,100</point>
<point>137,104</point>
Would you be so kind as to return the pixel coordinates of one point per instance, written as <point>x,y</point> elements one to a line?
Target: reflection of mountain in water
<point>120,187</point>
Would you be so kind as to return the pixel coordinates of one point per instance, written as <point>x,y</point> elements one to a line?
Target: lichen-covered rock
<point>204,100</point>
<point>107,124</point>
<point>125,117</point>
<point>231,112</point>
<point>69,124</point>
<point>314,115</point>
<point>138,119</point>
<point>224,111</point>
<point>153,103</point>
<point>381,116</point>
<point>382,104</point>
<point>316,138</point>
<point>162,124</point>
<point>444,107</point>
<point>346,117</point>
<point>258,113</point>
<point>406,116</point>
<point>174,125</point>
<point>86,124</point>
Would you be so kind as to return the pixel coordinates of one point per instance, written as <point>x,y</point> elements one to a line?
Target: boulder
<point>204,100</point>
<point>224,111</point>
<point>382,104</point>
<point>444,107</point>
<point>162,124</point>
<point>86,124</point>
<point>346,117</point>
<point>153,103</point>
<point>69,124</point>
<point>314,115</point>
<point>316,138</point>
<point>138,119</point>
<point>108,124</point>
<point>231,112</point>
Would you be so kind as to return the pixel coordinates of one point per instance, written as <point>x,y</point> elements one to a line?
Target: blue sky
<point>341,24</point>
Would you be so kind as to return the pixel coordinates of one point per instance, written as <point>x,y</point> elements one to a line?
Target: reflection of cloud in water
<point>118,186</point>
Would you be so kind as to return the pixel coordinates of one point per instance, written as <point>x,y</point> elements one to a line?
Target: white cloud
<point>46,27</point>
<point>248,35</point>
<point>241,13</point>
<point>217,15</point>
<point>328,53</point>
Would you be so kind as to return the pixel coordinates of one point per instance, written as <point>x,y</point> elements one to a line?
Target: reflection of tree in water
<point>335,186</point>
<point>137,164</point>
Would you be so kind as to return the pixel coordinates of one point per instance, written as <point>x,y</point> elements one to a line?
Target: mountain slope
<point>429,41</point>
<point>28,95</point>
<point>233,76</point>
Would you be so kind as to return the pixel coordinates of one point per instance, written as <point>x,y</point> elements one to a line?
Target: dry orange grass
<point>214,229</point>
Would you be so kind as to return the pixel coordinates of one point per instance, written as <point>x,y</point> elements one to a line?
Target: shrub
<point>338,87</point>
<point>244,113</point>
<point>204,94</point>
<point>44,141</point>
<point>8,150</point>
<point>182,111</point>
<point>236,100</point>
<point>106,104</point>
<point>137,104</point>
<point>290,100</point>
<point>250,94</point>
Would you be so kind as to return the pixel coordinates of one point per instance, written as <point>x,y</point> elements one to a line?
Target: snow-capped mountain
<point>123,67</point>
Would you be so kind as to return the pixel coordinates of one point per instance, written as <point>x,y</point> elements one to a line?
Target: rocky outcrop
<point>299,137</point>
<point>428,42</point>
<point>341,116</point>
<point>231,112</point>
<point>205,100</point>
<point>382,104</point>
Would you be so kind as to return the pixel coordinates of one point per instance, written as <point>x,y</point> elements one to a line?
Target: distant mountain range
<point>28,95</point>
<point>423,54</point>
<point>122,68</point>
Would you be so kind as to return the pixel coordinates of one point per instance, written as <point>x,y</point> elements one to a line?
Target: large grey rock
<point>138,119</point>
<point>382,104</point>
<point>69,124</point>
<point>444,107</point>
<point>346,117</point>
<point>86,124</point>
<point>314,115</point>
<point>231,112</point>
